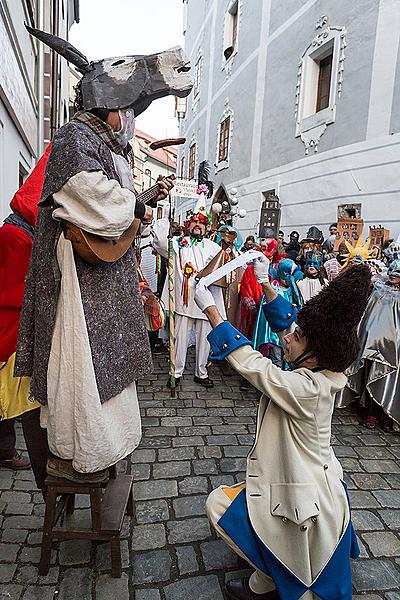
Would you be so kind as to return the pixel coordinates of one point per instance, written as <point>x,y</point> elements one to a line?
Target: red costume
<point>15,253</point>
<point>250,289</point>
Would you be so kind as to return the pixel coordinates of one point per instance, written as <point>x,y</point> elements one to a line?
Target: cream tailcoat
<point>296,501</point>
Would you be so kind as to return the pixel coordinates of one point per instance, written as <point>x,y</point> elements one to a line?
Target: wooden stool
<point>107,509</point>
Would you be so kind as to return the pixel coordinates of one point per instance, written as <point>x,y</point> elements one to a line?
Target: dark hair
<point>333,225</point>
<point>251,237</point>
<point>280,231</point>
<point>78,100</point>
<point>101,113</point>
<point>330,319</point>
<point>295,233</point>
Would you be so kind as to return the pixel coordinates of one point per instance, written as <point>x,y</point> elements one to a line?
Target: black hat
<point>314,235</point>
<point>330,319</point>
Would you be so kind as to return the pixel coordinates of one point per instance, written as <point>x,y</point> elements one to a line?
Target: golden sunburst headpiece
<point>358,253</point>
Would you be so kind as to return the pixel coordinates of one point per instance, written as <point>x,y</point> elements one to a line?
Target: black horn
<point>62,47</point>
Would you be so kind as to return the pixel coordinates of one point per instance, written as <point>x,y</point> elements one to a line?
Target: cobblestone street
<point>190,445</point>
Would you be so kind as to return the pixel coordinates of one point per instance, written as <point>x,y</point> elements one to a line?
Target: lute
<point>97,250</point>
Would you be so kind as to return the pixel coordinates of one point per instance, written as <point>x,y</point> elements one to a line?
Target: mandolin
<point>97,250</point>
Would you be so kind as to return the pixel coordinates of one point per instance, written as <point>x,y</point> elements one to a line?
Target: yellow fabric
<point>14,392</point>
<point>233,491</point>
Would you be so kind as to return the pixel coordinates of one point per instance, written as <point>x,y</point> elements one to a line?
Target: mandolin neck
<point>148,195</point>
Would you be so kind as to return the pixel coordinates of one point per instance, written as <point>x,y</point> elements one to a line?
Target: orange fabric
<point>233,492</point>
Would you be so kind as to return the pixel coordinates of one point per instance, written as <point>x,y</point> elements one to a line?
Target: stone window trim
<point>231,33</point>
<point>198,68</point>
<point>192,160</point>
<point>310,124</point>
<point>228,113</point>
<point>182,165</point>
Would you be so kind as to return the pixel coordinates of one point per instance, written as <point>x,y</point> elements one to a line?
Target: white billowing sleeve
<point>160,240</point>
<point>95,204</point>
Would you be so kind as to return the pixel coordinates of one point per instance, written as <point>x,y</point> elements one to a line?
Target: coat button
<point>325,467</point>
<point>289,315</point>
<point>313,519</point>
<point>304,528</point>
<point>284,519</point>
<point>237,337</point>
<point>224,346</point>
<point>211,352</point>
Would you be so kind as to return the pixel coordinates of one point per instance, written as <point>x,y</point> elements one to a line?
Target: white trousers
<point>183,329</point>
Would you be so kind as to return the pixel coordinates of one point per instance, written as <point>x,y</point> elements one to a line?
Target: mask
<point>269,248</point>
<point>394,268</point>
<point>125,134</point>
<point>313,260</point>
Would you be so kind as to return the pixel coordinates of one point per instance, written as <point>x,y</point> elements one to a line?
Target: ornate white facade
<point>346,152</point>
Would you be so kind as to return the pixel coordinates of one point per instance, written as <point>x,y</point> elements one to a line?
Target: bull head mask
<point>124,81</point>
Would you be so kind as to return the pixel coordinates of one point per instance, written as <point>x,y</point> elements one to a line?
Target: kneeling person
<point>291,518</point>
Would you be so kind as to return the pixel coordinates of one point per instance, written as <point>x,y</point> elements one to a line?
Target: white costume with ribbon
<point>190,257</point>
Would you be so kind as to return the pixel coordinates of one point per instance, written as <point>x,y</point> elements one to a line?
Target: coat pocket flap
<point>296,502</point>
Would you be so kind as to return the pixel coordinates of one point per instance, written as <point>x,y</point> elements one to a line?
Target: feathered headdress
<point>203,175</point>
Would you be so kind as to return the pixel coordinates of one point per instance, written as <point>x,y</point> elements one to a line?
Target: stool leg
<point>129,508</point>
<point>116,559</point>
<point>112,471</point>
<point>45,555</point>
<point>70,504</point>
<point>95,508</point>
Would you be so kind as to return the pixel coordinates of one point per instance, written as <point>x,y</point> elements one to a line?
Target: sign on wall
<point>185,188</point>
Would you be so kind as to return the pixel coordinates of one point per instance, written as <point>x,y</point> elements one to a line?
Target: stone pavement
<point>190,445</point>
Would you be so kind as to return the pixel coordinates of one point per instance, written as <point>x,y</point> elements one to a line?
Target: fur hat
<point>330,320</point>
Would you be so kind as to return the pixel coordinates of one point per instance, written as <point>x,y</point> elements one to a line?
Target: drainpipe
<point>40,86</point>
<point>54,112</point>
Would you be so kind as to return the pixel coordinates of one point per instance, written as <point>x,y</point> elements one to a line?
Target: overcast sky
<point>119,27</point>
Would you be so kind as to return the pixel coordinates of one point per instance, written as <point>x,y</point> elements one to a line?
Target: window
<point>192,161</point>
<point>182,168</point>
<point>223,145</point>
<point>31,6</point>
<point>22,175</point>
<point>147,173</point>
<point>319,84</point>
<point>197,75</point>
<point>324,82</point>
<point>231,30</point>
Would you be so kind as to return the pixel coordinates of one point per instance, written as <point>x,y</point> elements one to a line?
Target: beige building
<point>148,163</point>
<point>34,86</point>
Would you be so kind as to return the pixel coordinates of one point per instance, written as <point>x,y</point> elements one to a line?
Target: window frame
<point>231,31</point>
<point>198,67</point>
<point>322,77</point>
<point>228,113</point>
<point>310,123</point>
<point>192,161</point>
<point>223,139</point>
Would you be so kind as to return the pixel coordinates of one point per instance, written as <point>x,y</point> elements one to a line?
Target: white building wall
<point>18,93</point>
<point>358,156</point>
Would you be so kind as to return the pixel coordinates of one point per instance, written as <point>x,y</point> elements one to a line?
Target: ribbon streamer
<point>230,266</point>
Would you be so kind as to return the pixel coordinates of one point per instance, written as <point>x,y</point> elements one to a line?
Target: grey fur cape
<point>110,293</point>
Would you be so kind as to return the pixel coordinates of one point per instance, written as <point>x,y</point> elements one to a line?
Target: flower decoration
<point>199,217</point>
<point>182,242</point>
<point>202,189</point>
